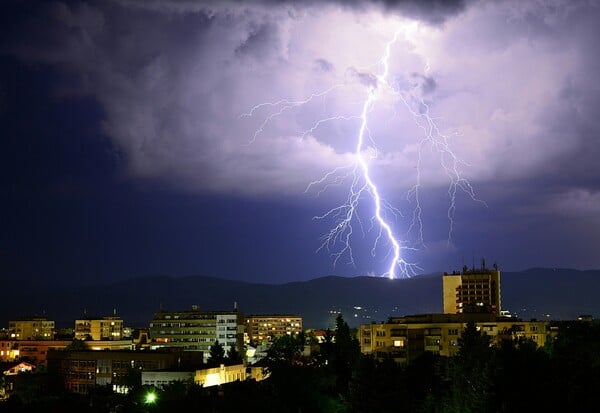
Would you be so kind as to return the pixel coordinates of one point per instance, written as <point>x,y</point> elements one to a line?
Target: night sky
<point>126,152</point>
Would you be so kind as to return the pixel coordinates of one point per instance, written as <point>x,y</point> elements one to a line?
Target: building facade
<point>161,379</point>
<point>220,375</point>
<point>36,328</point>
<point>81,371</point>
<point>215,376</point>
<point>406,338</point>
<point>99,328</point>
<point>262,329</point>
<point>472,291</point>
<point>197,330</point>
<point>36,351</point>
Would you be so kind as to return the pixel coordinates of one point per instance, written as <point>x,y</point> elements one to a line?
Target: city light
<point>150,398</point>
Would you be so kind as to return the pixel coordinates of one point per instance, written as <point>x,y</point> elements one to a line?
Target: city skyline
<point>127,153</point>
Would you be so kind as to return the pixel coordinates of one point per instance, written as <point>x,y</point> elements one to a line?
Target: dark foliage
<point>233,356</point>
<point>514,377</point>
<point>217,355</point>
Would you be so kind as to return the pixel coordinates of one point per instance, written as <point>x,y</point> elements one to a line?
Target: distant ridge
<point>535,293</point>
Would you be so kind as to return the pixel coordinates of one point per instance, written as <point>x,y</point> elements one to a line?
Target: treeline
<point>514,377</point>
<point>517,376</point>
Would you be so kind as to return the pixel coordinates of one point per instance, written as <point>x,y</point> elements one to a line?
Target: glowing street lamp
<point>150,398</point>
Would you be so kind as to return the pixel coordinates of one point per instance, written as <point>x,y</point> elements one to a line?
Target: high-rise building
<point>469,296</point>
<point>197,330</point>
<point>262,329</point>
<point>99,328</point>
<point>34,328</point>
<point>472,291</point>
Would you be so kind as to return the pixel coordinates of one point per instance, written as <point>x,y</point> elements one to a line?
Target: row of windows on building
<point>193,316</point>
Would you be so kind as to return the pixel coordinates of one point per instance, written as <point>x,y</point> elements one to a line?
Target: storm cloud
<point>513,85</point>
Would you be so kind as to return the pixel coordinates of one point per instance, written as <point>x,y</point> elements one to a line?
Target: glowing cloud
<point>338,241</point>
<point>510,87</point>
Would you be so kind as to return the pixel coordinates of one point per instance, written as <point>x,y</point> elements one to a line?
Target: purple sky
<point>126,152</point>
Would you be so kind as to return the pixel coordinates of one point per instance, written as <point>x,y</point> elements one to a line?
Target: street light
<point>150,398</point>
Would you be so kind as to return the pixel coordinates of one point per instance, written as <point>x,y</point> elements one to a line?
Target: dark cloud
<point>365,78</point>
<point>425,84</point>
<point>430,11</point>
<point>261,41</point>
<point>324,65</point>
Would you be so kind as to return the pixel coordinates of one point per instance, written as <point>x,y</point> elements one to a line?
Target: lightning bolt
<point>343,230</point>
<point>338,240</point>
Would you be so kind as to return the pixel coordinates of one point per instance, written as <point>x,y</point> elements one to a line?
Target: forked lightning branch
<point>347,223</point>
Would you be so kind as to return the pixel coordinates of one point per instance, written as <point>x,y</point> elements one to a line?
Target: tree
<point>76,345</point>
<point>473,344</point>
<point>284,350</point>
<point>234,356</point>
<point>297,384</point>
<point>326,348</point>
<point>346,343</point>
<point>217,355</point>
<point>346,353</point>
<point>471,373</point>
<point>520,364</point>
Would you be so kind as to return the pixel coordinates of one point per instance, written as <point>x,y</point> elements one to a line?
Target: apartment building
<point>36,351</point>
<point>31,328</point>
<point>196,330</point>
<point>99,328</point>
<point>406,338</point>
<point>262,329</point>
<point>81,371</point>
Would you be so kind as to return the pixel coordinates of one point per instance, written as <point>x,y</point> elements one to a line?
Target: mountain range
<point>535,293</point>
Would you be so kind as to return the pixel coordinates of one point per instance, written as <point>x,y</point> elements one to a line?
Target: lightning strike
<point>385,228</point>
<point>338,240</point>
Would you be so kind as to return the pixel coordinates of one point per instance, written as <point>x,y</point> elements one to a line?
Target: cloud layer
<point>512,84</point>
